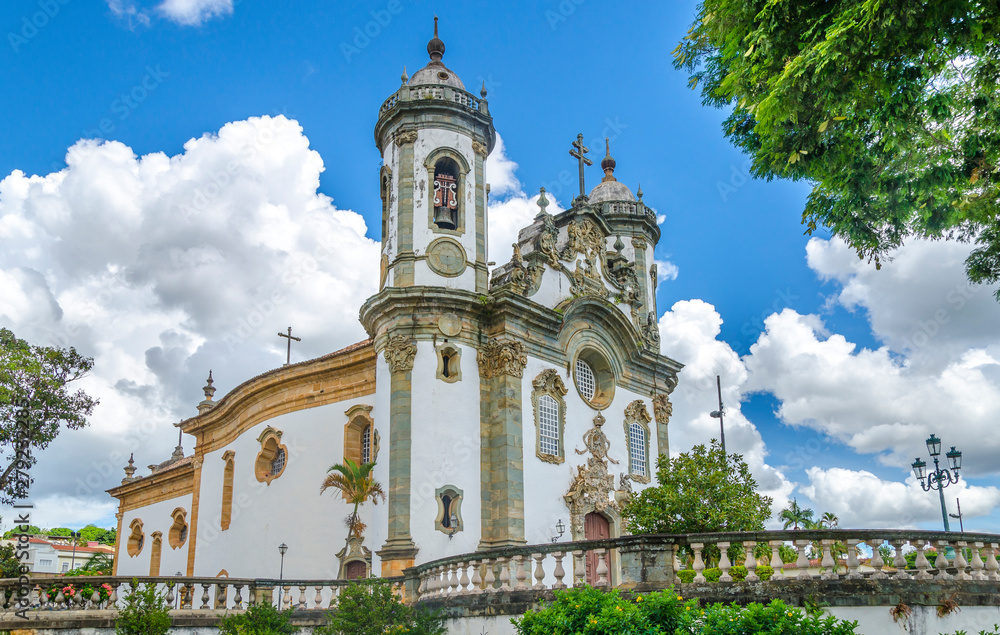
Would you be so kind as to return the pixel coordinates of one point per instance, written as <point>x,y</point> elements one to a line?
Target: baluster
<point>877,562</point>
<point>523,564</point>
<point>802,561</point>
<point>602,568</point>
<point>170,593</point>
<point>724,563</point>
<point>750,561</point>
<point>490,580</point>
<point>560,573</point>
<point>828,562</point>
<point>898,561</point>
<point>942,564</point>
<point>43,597</point>
<point>221,596</point>
<point>676,558</point>
<point>922,563</point>
<point>960,562</point>
<point>852,559</point>
<point>95,598</point>
<point>60,598</point>
<point>539,570</point>
<point>251,594</point>
<point>977,562</point>
<point>453,571</point>
<point>699,564</point>
<point>477,578</point>
<point>444,581</point>
<point>302,597</point>
<point>422,589</point>
<point>434,582</point>
<point>463,581</point>
<point>318,600</point>
<point>992,566</point>
<point>579,568</point>
<point>504,573</point>
<point>238,597</point>
<point>286,597</point>
<point>776,562</point>
<point>205,597</point>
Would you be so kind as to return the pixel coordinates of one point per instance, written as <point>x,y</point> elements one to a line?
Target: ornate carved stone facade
<point>502,357</point>
<point>593,487</point>
<point>399,353</point>
<point>662,409</point>
<point>408,136</point>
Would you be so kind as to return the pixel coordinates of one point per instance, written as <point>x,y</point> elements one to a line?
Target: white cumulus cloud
<point>194,12</point>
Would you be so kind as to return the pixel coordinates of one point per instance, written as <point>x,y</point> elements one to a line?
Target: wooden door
<point>355,570</point>
<point>595,527</point>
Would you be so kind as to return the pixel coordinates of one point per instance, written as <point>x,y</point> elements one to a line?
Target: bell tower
<point>434,138</point>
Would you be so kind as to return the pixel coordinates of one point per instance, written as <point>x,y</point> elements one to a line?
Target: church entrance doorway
<point>595,527</point>
<point>355,570</point>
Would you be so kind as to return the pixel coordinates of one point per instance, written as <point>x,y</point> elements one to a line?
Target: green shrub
<point>373,609</point>
<point>590,611</point>
<point>764,572</point>
<point>686,575</point>
<point>259,619</point>
<point>739,572</point>
<point>777,618</point>
<point>713,574</point>
<point>145,612</point>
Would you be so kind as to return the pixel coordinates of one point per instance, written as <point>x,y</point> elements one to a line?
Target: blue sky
<point>153,75</point>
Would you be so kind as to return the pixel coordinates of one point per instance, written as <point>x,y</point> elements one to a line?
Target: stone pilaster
<point>641,270</point>
<point>196,461</point>
<point>482,272</point>
<point>501,367</point>
<point>399,551</point>
<point>404,263</point>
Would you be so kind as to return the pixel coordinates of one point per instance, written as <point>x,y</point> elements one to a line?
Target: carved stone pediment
<point>549,381</point>
<point>502,357</point>
<point>399,353</point>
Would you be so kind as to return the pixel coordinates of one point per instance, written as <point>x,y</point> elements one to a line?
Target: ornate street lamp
<point>940,478</point>
<point>282,549</point>
<point>560,529</point>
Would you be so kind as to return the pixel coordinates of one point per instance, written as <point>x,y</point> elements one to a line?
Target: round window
<point>594,378</point>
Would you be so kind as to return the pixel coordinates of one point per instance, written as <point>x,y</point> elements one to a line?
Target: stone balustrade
<point>433,92</point>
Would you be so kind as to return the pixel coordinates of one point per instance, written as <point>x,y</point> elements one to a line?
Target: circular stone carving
<point>450,324</point>
<point>446,257</point>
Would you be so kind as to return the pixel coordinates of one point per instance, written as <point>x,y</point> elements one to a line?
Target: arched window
<point>179,529</point>
<point>360,436</point>
<point>550,415</point>
<point>366,444</point>
<point>447,197</point>
<point>449,367</point>
<point>136,538</point>
<point>385,187</point>
<point>272,458</point>
<point>637,449</point>
<point>449,516</point>
<point>227,489</point>
<point>585,379</point>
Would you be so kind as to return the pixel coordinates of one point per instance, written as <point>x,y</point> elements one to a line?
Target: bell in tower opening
<point>446,194</point>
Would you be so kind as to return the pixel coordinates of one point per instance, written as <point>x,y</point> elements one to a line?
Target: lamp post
<point>560,529</point>
<point>717,414</point>
<point>282,549</point>
<point>939,478</point>
<point>72,562</point>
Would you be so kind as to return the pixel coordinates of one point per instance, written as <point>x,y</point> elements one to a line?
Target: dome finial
<point>482,93</point>
<point>435,48</point>
<point>608,164</point>
<point>404,76</point>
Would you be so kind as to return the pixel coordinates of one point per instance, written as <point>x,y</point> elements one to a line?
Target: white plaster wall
<point>424,275</point>
<point>290,510</point>
<point>377,531</point>
<point>445,429</point>
<point>546,484</point>
<point>390,246</point>
<point>553,289</point>
<point>155,517</point>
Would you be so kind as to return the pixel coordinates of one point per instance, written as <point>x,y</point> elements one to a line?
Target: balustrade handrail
<point>471,101</point>
<point>126,580</point>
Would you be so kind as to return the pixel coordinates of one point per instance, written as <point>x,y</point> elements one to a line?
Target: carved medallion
<point>446,257</point>
<point>502,357</point>
<point>450,324</point>
<point>399,353</point>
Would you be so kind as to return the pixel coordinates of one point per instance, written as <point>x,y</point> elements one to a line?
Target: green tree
<point>793,516</point>
<point>10,566</point>
<point>702,490</point>
<point>259,619</point>
<point>829,520</point>
<point>357,484</point>
<point>32,531</point>
<point>890,109</point>
<point>373,609</point>
<point>59,531</point>
<point>99,564</point>
<point>35,401</point>
<point>143,612</point>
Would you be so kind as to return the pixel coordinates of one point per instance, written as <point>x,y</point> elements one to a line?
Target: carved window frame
<point>637,414</point>
<point>454,354</point>
<point>359,419</point>
<point>155,553</point>
<point>178,533</point>
<point>228,473</point>
<point>549,383</point>
<point>464,169</point>
<point>136,538</point>
<point>270,444</point>
<point>455,496</point>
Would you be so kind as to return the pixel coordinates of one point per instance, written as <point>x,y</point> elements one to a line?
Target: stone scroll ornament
<point>502,357</point>
<point>662,409</point>
<point>593,487</point>
<point>399,353</point>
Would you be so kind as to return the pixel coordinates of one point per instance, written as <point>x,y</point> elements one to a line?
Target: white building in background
<point>493,406</point>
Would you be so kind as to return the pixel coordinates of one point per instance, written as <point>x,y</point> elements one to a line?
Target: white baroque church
<point>496,408</point>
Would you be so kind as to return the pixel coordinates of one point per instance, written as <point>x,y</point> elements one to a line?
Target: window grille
<point>637,448</point>
<point>278,462</point>
<point>366,445</point>
<point>585,379</point>
<point>548,425</point>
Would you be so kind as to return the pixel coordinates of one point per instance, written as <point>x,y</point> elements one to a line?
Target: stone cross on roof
<point>578,152</point>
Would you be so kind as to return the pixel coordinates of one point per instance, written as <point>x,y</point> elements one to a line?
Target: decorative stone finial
<point>404,76</point>
<point>130,469</point>
<point>207,404</point>
<point>638,192</point>
<point>608,164</point>
<point>482,92</point>
<point>542,202</point>
<point>435,48</point>
<point>619,245</point>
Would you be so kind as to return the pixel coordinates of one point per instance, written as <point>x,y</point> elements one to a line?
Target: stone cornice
<point>341,375</point>
<point>168,483</point>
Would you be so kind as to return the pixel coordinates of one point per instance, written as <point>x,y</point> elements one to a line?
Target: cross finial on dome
<point>435,48</point>
<point>608,164</point>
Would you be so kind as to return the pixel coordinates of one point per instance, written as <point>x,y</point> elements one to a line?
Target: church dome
<point>436,72</point>
<point>610,188</point>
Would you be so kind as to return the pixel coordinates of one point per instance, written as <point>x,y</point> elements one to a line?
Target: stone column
<point>399,551</point>
<point>403,266</point>
<point>482,272</point>
<point>501,366</point>
<point>662,409</point>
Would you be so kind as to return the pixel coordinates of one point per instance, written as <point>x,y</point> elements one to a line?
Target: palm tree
<point>358,486</point>
<point>829,519</point>
<point>793,515</point>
